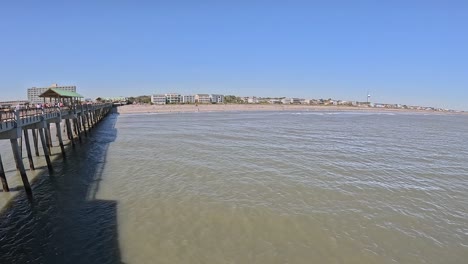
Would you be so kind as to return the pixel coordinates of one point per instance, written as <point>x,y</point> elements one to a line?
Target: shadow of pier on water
<point>64,222</point>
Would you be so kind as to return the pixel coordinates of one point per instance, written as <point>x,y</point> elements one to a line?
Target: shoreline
<point>191,108</point>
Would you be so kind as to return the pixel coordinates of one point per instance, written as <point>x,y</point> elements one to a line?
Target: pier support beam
<point>93,116</point>
<point>45,148</point>
<point>69,131</point>
<point>36,143</point>
<point>46,134</point>
<point>59,136</point>
<point>83,125</point>
<point>28,149</point>
<point>3,177</point>
<point>50,136</point>
<point>77,128</point>
<point>87,120</point>
<point>20,165</point>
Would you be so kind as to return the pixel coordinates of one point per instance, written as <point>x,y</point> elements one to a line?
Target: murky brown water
<point>274,187</point>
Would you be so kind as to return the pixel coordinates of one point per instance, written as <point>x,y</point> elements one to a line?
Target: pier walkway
<point>78,120</point>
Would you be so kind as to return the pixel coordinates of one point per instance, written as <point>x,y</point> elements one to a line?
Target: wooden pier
<point>14,125</point>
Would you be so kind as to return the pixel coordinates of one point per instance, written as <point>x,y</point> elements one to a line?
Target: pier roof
<point>59,93</point>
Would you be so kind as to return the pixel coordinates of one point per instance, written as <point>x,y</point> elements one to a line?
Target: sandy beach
<point>175,108</point>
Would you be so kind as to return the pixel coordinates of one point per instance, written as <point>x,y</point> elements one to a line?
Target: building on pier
<point>56,95</point>
<point>34,92</point>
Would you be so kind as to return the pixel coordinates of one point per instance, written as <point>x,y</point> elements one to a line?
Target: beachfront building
<point>274,101</point>
<point>291,100</point>
<point>113,99</point>
<point>118,100</point>
<point>158,99</point>
<point>172,98</point>
<point>217,98</point>
<point>252,100</point>
<point>34,92</point>
<point>188,99</point>
<point>297,100</point>
<point>202,98</point>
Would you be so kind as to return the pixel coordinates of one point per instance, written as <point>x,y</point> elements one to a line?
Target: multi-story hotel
<point>158,99</point>
<point>217,98</point>
<point>188,99</point>
<point>34,92</point>
<point>175,98</point>
<point>172,98</point>
<point>203,98</point>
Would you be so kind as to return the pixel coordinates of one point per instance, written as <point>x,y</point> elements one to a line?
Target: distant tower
<point>368,96</point>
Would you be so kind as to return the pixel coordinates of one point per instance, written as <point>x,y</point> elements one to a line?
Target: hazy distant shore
<point>136,109</point>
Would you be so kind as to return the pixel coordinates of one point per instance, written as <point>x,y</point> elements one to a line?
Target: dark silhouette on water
<point>64,222</point>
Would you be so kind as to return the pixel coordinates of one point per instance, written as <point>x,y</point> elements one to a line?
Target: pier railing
<point>9,118</point>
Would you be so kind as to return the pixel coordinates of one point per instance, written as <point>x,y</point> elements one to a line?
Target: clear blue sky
<point>410,52</point>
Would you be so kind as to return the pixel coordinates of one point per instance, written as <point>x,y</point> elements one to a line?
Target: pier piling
<point>36,143</point>
<point>59,136</point>
<point>20,165</point>
<point>47,139</point>
<point>50,136</point>
<point>87,118</point>
<point>28,149</point>
<point>45,148</point>
<point>3,177</point>
<point>77,128</point>
<point>83,126</point>
<point>69,131</point>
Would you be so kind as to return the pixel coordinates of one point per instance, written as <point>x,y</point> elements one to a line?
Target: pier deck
<point>79,119</point>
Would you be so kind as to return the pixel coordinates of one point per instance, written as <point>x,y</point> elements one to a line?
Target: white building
<point>159,99</point>
<point>202,98</point>
<point>291,100</point>
<point>34,92</point>
<point>115,99</point>
<point>188,99</point>
<point>217,98</point>
<point>172,98</point>
<point>296,100</point>
<point>252,100</point>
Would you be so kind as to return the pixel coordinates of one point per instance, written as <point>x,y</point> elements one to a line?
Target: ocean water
<point>250,187</point>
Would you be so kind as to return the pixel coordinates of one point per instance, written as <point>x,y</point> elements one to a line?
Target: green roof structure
<point>59,93</point>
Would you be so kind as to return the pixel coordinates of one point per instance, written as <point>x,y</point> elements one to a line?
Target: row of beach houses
<point>292,100</point>
<point>175,98</point>
<point>260,100</point>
